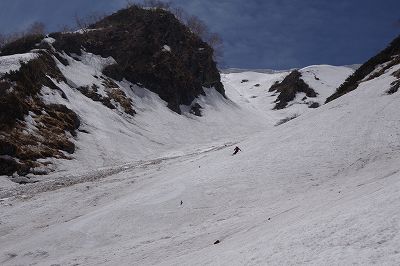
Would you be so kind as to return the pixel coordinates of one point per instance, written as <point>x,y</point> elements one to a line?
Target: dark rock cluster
<point>289,87</point>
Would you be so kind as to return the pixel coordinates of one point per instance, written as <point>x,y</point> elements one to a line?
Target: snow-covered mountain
<point>55,89</point>
<point>252,89</point>
<point>73,101</point>
<point>112,136</point>
<point>320,189</point>
<point>145,185</point>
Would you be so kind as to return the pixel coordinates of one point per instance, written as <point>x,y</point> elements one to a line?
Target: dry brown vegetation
<point>114,93</point>
<point>21,143</point>
<point>120,97</point>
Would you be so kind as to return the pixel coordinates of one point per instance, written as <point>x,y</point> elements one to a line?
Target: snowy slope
<point>250,89</point>
<point>155,130</point>
<point>13,62</point>
<point>325,79</point>
<point>108,138</point>
<point>111,137</point>
<point>321,189</point>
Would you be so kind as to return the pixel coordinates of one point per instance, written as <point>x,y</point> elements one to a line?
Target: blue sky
<point>276,34</point>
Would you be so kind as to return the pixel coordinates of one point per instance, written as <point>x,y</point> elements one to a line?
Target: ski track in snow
<point>322,189</point>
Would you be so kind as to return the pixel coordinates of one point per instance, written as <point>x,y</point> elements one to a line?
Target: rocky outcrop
<point>151,47</point>
<point>373,68</point>
<point>289,87</point>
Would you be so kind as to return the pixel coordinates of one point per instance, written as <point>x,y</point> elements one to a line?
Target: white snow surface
<point>322,189</point>
<point>13,62</point>
<point>325,79</point>
<point>254,93</point>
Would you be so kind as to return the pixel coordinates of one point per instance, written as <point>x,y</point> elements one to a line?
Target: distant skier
<point>236,150</point>
<point>181,202</point>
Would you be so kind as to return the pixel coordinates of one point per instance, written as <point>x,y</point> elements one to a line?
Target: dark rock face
<point>153,48</point>
<point>390,56</point>
<point>288,88</point>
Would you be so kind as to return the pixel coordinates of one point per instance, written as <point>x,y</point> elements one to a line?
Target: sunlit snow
<point>320,189</point>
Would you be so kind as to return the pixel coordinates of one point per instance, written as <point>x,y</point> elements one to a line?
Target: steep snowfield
<point>325,78</point>
<point>320,189</point>
<point>155,130</point>
<point>250,89</point>
<point>115,138</point>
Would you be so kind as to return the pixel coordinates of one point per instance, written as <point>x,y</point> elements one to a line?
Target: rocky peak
<point>147,47</point>
<point>153,48</point>
<point>289,87</point>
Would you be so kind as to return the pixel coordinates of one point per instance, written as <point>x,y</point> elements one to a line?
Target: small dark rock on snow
<point>313,105</point>
<point>196,109</point>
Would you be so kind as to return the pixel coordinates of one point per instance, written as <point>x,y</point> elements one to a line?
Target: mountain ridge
<point>131,45</point>
<point>321,189</point>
